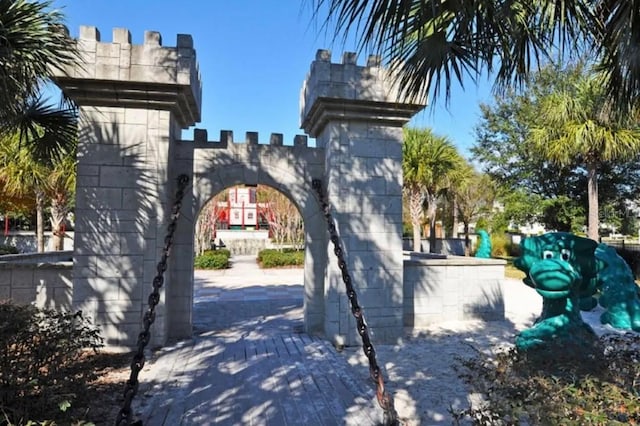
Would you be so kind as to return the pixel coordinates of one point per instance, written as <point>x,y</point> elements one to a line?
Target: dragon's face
<point>558,264</point>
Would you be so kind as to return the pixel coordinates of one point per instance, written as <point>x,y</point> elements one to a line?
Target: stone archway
<point>134,102</point>
<point>288,169</point>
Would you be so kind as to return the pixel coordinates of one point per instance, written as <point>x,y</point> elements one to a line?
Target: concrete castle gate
<point>135,100</point>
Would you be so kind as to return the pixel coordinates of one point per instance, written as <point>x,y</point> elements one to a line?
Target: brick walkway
<point>250,363</point>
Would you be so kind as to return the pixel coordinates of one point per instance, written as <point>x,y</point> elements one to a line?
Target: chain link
<point>385,400</point>
<point>131,386</point>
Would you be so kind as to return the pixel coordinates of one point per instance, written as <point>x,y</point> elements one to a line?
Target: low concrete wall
<point>451,246</point>
<point>436,288</point>
<point>453,288</point>
<point>43,279</point>
<point>25,241</point>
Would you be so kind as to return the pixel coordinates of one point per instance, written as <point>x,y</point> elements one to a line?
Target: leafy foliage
<point>578,122</point>
<point>213,259</point>
<point>33,43</point>
<point>38,351</point>
<point>273,258</point>
<point>432,44</point>
<point>501,245</point>
<point>558,384</point>
<point>284,218</point>
<point>8,249</point>
<point>206,223</point>
<point>430,165</point>
<point>533,187</point>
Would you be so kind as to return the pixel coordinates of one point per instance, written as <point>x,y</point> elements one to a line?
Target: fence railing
<point>622,244</point>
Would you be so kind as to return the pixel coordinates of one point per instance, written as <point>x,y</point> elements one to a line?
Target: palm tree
<point>23,176</point>
<point>31,165</point>
<point>60,186</point>
<point>580,122</point>
<point>429,165</point>
<point>431,43</point>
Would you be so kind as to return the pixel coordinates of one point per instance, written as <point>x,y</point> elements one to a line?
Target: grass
<point>511,271</point>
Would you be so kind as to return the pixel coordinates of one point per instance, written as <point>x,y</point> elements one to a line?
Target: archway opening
<point>257,297</point>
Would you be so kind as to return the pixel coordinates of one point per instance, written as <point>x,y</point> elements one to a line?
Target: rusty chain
<point>385,400</point>
<point>131,386</point>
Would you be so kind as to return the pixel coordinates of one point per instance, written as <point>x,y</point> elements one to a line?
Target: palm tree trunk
<point>592,191</point>
<point>416,236</point>
<point>454,230</point>
<point>40,220</point>
<point>431,214</point>
<point>416,200</point>
<point>58,213</point>
<point>467,241</point>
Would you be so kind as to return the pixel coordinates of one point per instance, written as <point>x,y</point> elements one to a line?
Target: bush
<point>500,245</point>
<point>272,258</point>
<point>8,249</point>
<point>39,351</point>
<point>213,259</point>
<point>587,383</point>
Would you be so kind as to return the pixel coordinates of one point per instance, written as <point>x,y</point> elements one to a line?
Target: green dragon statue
<point>572,273</point>
<point>562,268</point>
<point>619,294</point>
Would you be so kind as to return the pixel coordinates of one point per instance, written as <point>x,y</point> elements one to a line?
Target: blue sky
<point>253,56</point>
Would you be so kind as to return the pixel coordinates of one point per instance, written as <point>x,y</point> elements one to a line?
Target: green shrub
<point>592,383</point>
<point>8,249</point>
<point>272,258</point>
<point>39,351</point>
<point>501,245</point>
<point>213,259</point>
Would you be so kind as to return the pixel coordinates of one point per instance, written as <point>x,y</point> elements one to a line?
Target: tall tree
<point>533,188</point>
<point>475,196</point>
<point>206,223</point>
<point>579,122</point>
<point>285,221</point>
<point>60,187</point>
<point>23,176</point>
<point>39,159</point>
<point>430,164</point>
<point>432,43</point>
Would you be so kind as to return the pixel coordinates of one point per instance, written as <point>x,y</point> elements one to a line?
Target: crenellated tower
<point>356,114</point>
<point>134,100</point>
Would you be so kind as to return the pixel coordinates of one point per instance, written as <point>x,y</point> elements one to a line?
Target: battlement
<point>348,91</point>
<point>148,75</point>
<point>201,139</point>
<point>349,58</point>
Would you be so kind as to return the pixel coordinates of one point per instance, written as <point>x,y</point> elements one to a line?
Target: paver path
<point>250,363</point>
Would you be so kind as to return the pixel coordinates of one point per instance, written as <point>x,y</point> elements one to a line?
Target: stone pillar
<point>134,100</point>
<point>354,114</point>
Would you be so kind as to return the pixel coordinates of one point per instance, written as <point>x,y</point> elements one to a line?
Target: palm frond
<point>47,131</point>
<point>431,44</point>
<point>33,43</point>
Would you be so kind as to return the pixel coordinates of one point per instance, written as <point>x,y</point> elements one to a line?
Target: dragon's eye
<point>547,254</point>
<point>565,254</point>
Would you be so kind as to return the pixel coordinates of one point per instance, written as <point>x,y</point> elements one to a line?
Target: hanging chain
<point>385,400</point>
<point>131,387</point>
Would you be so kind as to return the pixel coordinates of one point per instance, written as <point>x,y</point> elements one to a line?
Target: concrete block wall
<point>288,167</point>
<point>354,113</point>
<point>25,241</point>
<point>44,284</point>
<point>133,102</point>
<point>454,288</point>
